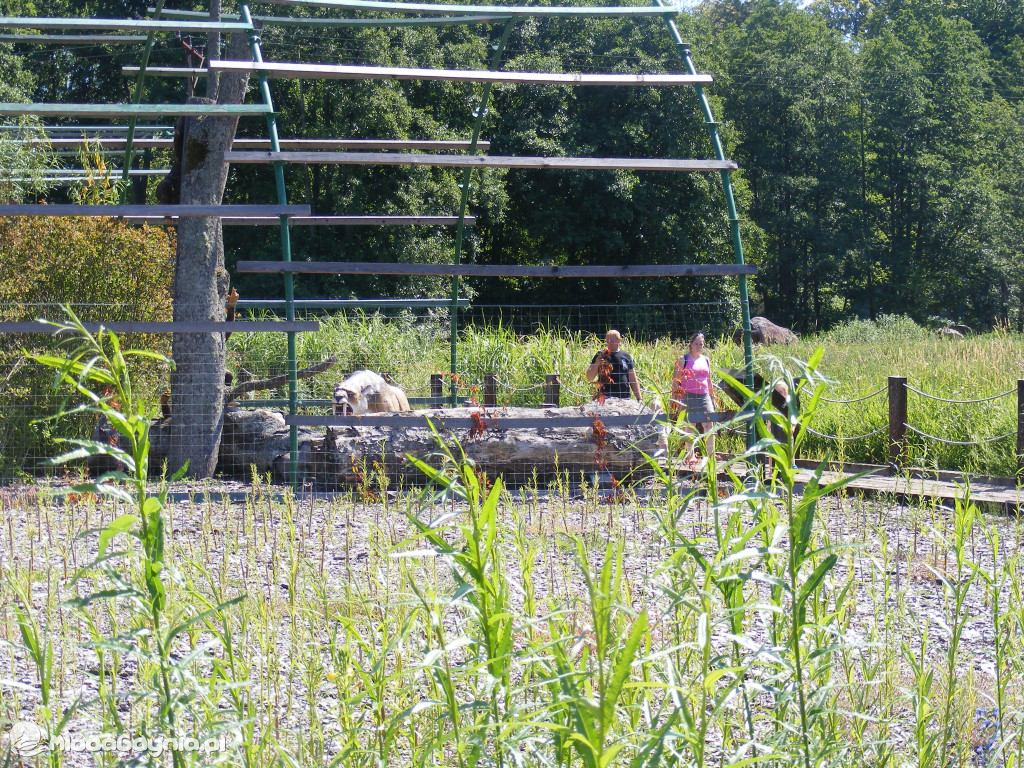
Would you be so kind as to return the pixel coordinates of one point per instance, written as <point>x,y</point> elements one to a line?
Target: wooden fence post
<point>897,418</point>
<point>436,387</point>
<point>490,390</point>
<point>1020,425</point>
<point>552,391</point>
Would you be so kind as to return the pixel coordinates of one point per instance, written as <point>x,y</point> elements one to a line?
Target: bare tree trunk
<point>201,284</point>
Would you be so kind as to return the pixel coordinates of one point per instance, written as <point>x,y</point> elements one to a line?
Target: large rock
<point>764,331</point>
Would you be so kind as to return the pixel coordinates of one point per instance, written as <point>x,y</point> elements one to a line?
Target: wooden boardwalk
<point>914,484</point>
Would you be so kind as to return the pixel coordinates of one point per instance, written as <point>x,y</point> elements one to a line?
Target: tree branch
<point>279,381</point>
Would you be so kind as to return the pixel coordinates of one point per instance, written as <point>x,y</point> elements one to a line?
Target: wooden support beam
<point>84,174</point>
<point>153,210</point>
<point>74,39</point>
<point>503,10</point>
<point>131,326</point>
<point>12,109</point>
<point>82,129</point>
<point>897,390</point>
<point>337,144</point>
<point>317,221</point>
<point>494,270</point>
<point>552,391</point>
<point>122,25</point>
<point>320,22</point>
<point>351,72</point>
<point>482,161</point>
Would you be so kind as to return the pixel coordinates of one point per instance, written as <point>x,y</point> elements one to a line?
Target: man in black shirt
<point>613,370</point>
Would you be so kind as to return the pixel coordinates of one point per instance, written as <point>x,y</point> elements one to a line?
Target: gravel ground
<point>246,541</point>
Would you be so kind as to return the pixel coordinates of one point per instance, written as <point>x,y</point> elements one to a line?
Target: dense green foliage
<point>109,271</point>
<point>880,147</point>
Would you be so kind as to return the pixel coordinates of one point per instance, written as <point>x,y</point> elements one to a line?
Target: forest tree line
<point>880,147</point>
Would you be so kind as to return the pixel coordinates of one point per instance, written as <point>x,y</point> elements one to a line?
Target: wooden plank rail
<point>166,130</point>
<point>502,10</point>
<point>111,39</point>
<point>494,270</point>
<point>263,143</point>
<point>153,210</point>
<point>483,161</point>
<point>131,110</point>
<point>317,221</point>
<point>337,144</point>
<point>321,22</point>
<point>133,326</point>
<point>123,25</point>
<point>353,72</point>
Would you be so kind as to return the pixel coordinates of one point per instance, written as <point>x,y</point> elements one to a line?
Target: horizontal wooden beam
<point>318,221</point>
<point>153,210</point>
<point>84,174</point>
<point>501,10</point>
<point>349,303</point>
<point>482,161</point>
<point>131,326</point>
<point>123,25</point>
<point>352,72</point>
<point>494,270</point>
<point>318,21</point>
<point>131,110</point>
<point>88,129</point>
<point>337,144</point>
<point>497,423</point>
<point>74,39</point>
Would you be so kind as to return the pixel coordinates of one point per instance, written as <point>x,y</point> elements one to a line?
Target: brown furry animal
<point>778,396</point>
<point>367,392</point>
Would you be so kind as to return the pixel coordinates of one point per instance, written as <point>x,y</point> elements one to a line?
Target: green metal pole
<point>478,122</point>
<point>137,99</point>
<point>730,201</point>
<point>286,245</point>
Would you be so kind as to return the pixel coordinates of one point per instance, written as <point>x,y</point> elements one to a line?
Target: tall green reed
<point>135,580</point>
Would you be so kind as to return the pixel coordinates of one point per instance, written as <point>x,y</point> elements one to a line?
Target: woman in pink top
<point>691,387</point>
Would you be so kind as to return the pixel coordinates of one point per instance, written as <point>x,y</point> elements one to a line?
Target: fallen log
<point>340,457</point>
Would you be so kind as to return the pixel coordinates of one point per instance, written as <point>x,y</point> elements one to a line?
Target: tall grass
<point>859,358</point>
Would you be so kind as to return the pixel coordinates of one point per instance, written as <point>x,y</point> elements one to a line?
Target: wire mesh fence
<point>514,360</point>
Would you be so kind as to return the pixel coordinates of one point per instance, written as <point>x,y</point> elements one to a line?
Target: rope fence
<point>510,388</point>
<point>959,402</point>
<point>947,441</point>
<point>844,438</point>
<point>898,424</point>
<point>876,393</point>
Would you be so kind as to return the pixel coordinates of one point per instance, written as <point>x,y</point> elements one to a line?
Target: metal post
<point>734,221</point>
<point>897,419</point>
<point>286,246</point>
<point>490,390</point>
<point>1020,426</point>
<point>478,123</point>
<point>552,391</point>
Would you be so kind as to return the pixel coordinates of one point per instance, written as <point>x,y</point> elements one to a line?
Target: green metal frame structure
<point>421,14</point>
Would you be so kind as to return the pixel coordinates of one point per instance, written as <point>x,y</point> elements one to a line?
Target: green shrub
<point>106,270</point>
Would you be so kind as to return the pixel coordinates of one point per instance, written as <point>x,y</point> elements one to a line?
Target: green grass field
<point>858,357</point>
